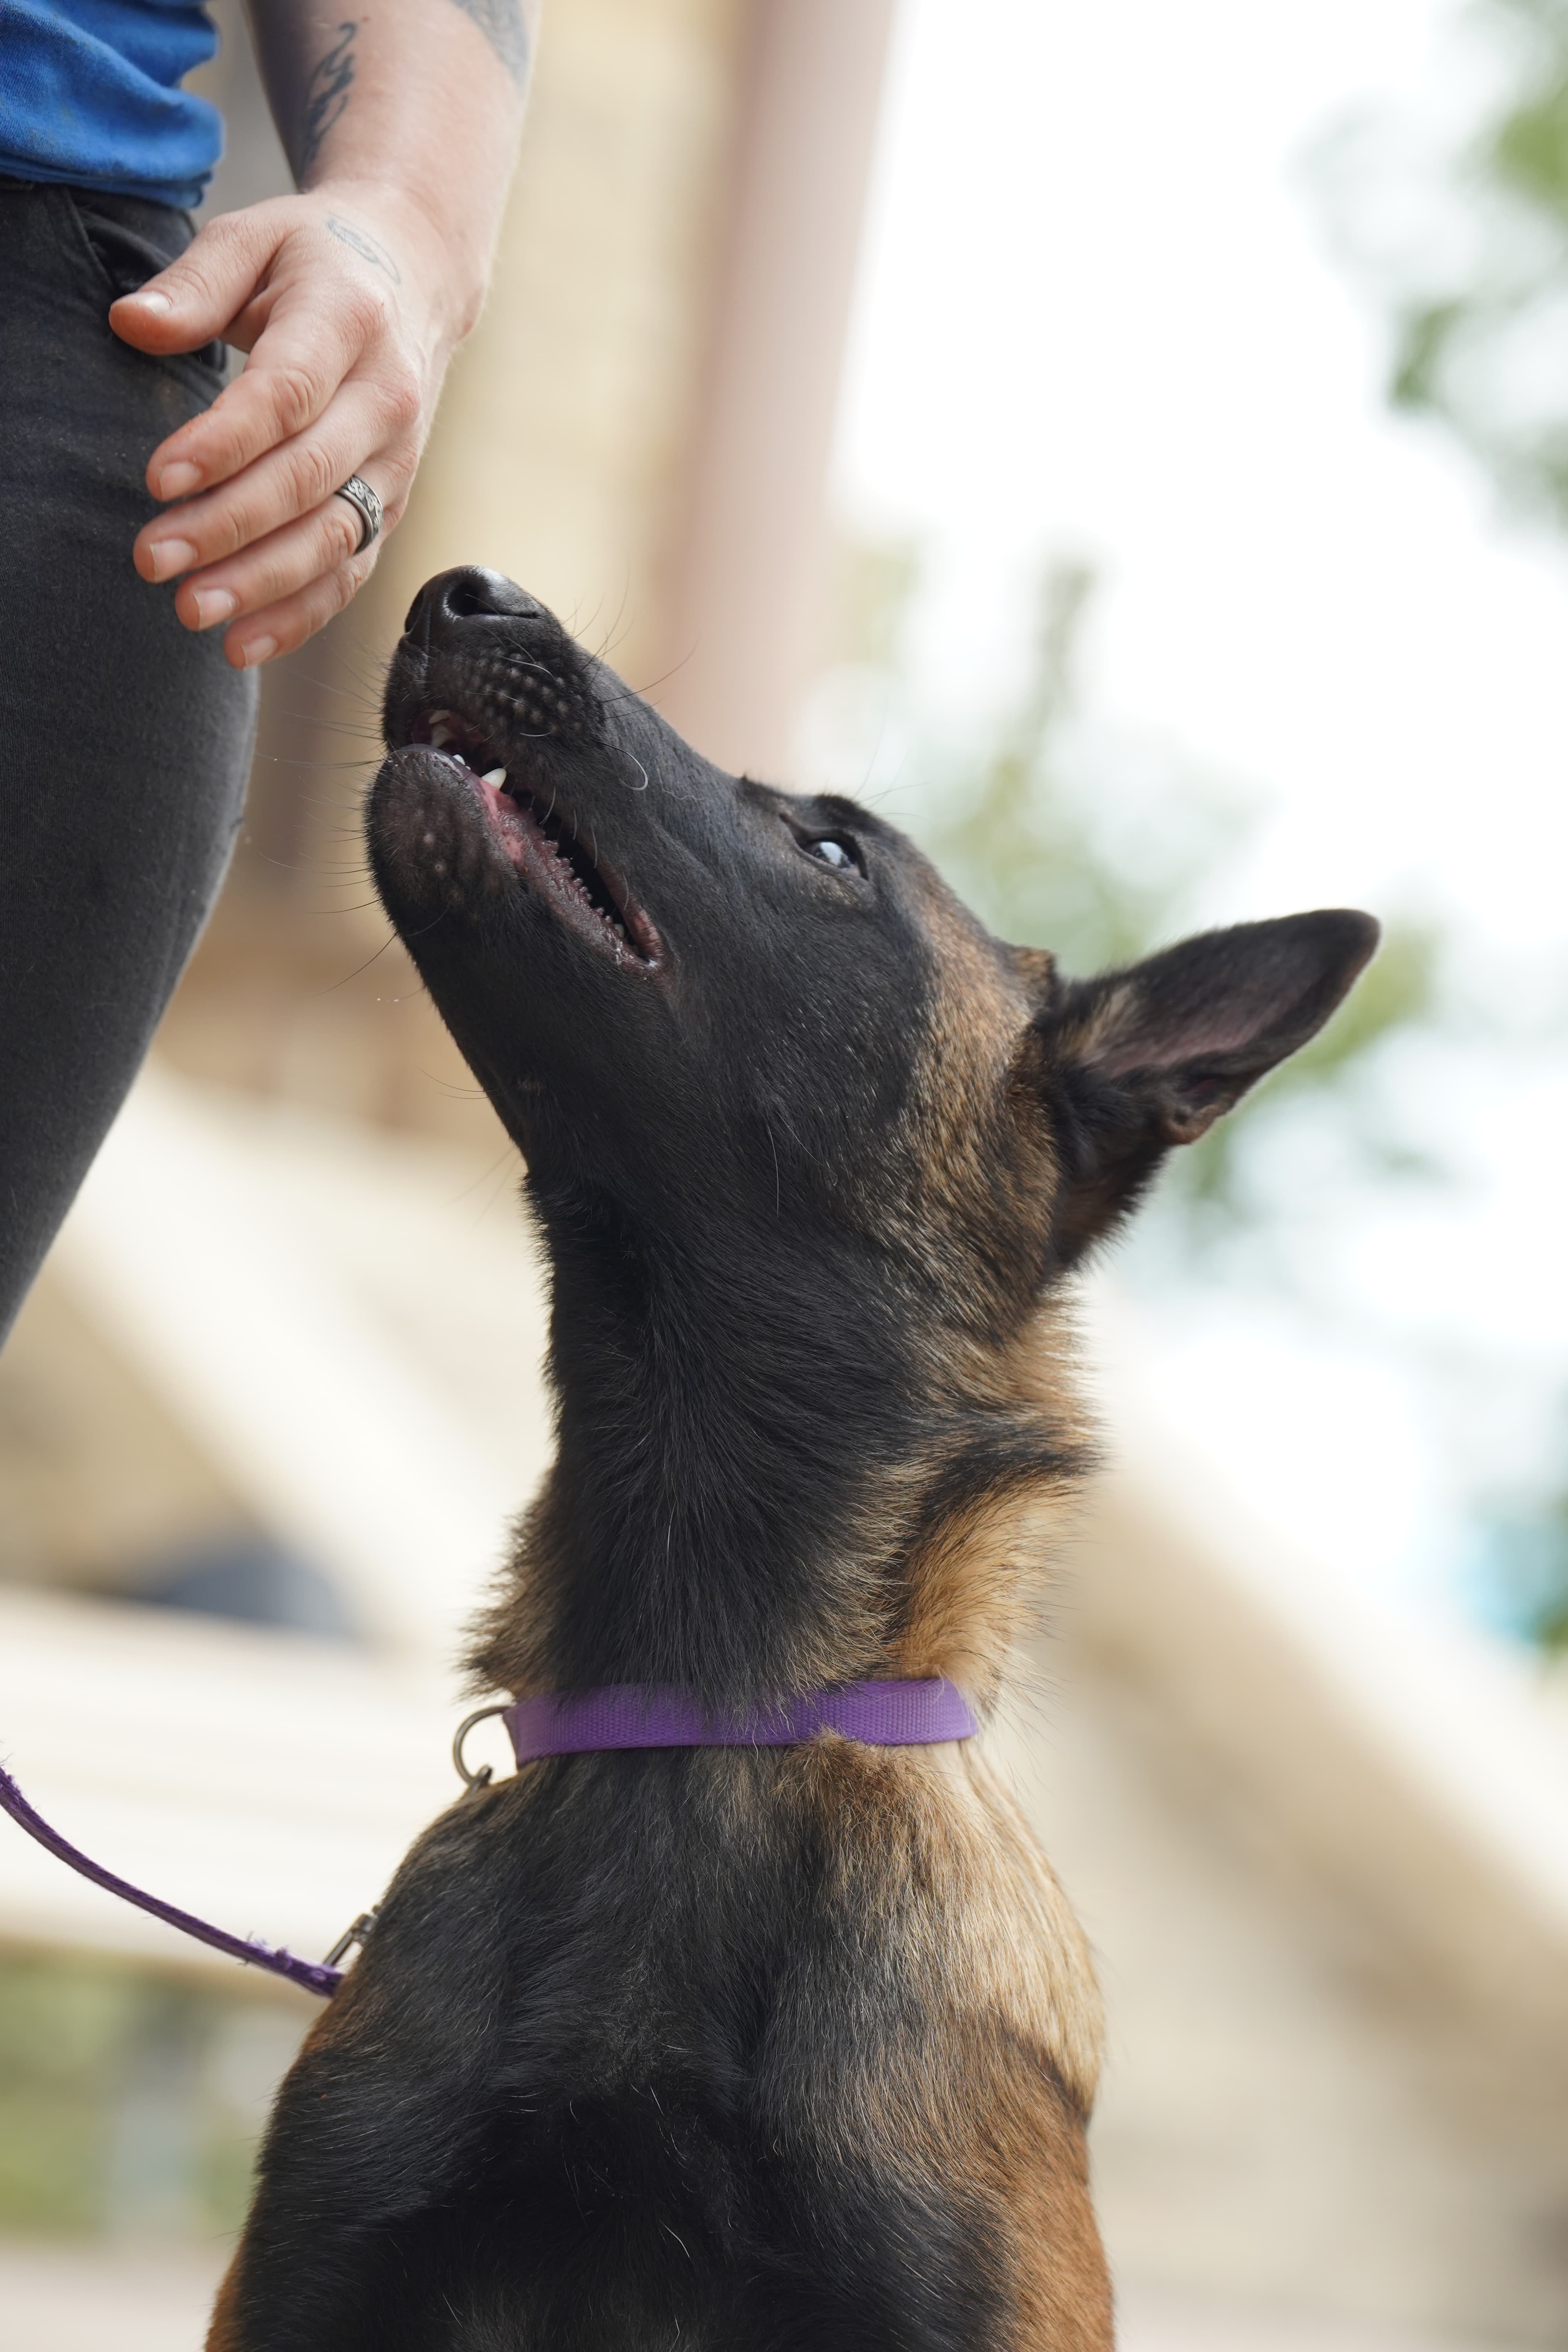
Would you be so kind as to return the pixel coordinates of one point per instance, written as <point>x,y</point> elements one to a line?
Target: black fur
<point>552,2134</point>
<point>808,1149</point>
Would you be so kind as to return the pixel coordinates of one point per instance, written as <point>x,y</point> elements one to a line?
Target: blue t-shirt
<point>89,93</point>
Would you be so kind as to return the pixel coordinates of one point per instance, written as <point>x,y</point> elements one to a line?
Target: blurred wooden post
<point>747,561</point>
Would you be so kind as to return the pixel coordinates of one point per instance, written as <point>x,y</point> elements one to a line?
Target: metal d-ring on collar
<point>485,1775</point>
<point>366,504</point>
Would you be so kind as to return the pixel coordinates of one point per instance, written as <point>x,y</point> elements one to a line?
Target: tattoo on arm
<point>327,95</point>
<point>365,246</point>
<point>505,27</point>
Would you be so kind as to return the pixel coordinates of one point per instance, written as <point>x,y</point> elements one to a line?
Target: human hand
<point>344,301</point>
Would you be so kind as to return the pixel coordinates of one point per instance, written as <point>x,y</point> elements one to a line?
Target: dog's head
<point>717,1004</point>
<point>809,1147</point>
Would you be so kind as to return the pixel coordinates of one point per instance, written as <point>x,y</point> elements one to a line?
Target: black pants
<point>124,741</point>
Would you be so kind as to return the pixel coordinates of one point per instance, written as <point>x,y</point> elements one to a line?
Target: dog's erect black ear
<point>1134,1062</point>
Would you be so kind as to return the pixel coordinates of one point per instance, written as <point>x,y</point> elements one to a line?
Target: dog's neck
<point>766,1481</point>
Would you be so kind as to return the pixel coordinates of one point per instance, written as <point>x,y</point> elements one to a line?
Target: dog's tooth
<point>496,776</point>
<point>439,736</point>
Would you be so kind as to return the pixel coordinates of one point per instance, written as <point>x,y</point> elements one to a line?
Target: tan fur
<point>1039,2179</point>
<point>973,1583</point>
<point>976,1021</point>
<point>980,1012</point>
<point>986,2077</point>
<point>932,1849</point>
<point>970,1590</point>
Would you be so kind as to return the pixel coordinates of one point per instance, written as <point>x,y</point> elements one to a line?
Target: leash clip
<point>485,1775</point>
<point>350,1938</point>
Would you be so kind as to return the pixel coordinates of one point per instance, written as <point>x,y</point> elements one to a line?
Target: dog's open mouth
<point>535,830</point>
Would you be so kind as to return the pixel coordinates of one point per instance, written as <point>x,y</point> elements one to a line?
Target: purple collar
<point>663,1714</point>
<point>625,1714</point>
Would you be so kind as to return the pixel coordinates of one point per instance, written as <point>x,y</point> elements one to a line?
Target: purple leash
<point>316,1976</point>
<point>623,1714</point>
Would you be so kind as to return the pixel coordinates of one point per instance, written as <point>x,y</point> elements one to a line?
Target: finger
<point>195,298</point>
<point>287,482</point>
<point>310,341</point>
<point>275,568</point>
<point>279,628</point>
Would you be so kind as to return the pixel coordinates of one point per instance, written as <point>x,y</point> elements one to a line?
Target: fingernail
<point>257,649</point>
<point>150,297</point>
<point>168,556</point>
<point>213,605</point>
<point>177,479</point>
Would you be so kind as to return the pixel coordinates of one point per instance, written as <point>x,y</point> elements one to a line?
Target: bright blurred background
<point>1130,447</point>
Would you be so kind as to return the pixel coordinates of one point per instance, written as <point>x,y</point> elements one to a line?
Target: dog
<point>746,2047</point>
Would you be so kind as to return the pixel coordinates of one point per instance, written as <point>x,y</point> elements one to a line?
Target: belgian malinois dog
<point>740,2049</point>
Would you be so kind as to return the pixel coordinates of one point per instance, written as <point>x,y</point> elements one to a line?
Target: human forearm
<point>413,108</point>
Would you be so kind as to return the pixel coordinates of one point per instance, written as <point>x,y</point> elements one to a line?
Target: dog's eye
<point>836,851</point>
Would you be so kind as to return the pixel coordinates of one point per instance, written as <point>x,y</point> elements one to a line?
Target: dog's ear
<point>1135,1061</point>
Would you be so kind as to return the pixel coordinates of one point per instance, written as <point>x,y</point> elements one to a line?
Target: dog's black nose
<point>469,593</point>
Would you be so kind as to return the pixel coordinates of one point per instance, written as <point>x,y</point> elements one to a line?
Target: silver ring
<point>366,505</point>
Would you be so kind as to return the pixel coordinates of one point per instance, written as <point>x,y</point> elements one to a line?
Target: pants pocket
<point>129,241</point>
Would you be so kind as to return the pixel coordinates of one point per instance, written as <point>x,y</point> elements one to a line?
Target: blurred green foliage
<point>1023,849</point>
<point>130,2102</point>
<point>1052,859</point>
<point>62,2027</point>
<point>1479,290</point>
<point>869,586</point>
<point>1477,280</point>
<point>1522,1572</point>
